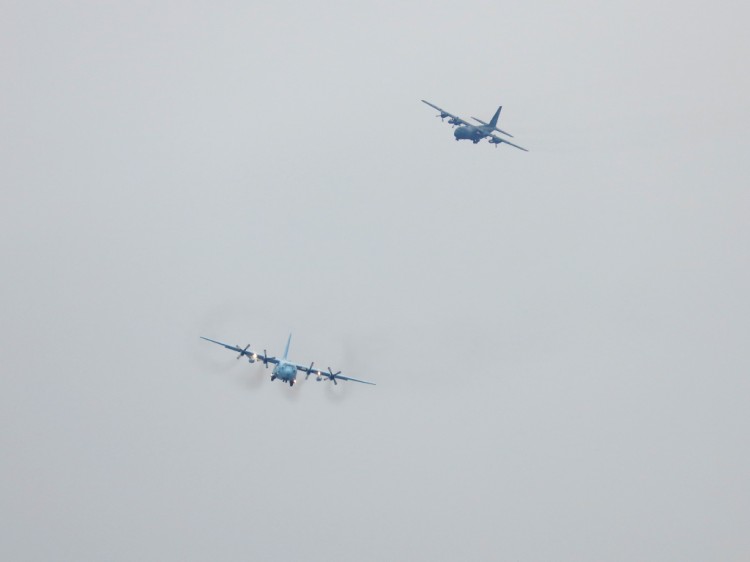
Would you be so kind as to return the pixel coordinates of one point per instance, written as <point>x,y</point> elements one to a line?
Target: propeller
<point>453,121</point>
<point>332,375</point>
<point>265,358</point>
<point>309,370</point>
<point>244,351</point>
<point>495,141</point>
<point>442,115</point>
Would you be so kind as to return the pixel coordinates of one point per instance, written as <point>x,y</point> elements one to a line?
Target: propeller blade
<point>243,352</point>
<point>265,358</point>
<point>332,375</point>
<point>309,370</point>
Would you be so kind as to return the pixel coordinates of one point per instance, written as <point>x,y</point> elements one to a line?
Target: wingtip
<point>212,341</point>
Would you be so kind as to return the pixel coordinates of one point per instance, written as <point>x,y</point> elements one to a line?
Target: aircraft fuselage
<point>286,372</point>
<point>469,132</point>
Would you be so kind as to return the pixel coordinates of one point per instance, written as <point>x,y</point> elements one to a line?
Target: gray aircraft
<point>475,133</point>
<point>283,369</point>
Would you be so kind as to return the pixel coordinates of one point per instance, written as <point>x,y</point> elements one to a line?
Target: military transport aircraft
<point>475,133</point>
<point>283,369</point>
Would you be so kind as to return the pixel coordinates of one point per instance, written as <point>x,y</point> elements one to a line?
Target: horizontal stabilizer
<point>493,128</point>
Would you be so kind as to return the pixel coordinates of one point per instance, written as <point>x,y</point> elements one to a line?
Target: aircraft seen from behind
<point>475,133</point>
<point>283,369</point>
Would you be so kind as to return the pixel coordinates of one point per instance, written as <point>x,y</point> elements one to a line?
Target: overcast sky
<point>559,337</point>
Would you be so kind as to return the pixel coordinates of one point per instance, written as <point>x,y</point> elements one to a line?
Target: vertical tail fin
<point>286,350</point>
<point>493,121</point>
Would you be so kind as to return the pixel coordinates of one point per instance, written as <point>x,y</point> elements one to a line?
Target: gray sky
<point>559,337</point>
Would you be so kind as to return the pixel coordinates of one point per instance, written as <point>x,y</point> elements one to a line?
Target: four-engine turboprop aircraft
<point>283,369</point>
<point>475,133</point>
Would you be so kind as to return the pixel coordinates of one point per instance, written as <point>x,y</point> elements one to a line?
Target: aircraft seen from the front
<point>475,133</point>
<point>283,369</point>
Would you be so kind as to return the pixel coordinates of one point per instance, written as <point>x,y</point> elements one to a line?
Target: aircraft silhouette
<point>475,133</point>
<point>283,369</point>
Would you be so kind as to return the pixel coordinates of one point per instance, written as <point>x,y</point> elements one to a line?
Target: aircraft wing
<point>247,352</point>
<point>456,120</point>
<point>497,140</point>
<point>329,374</point>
